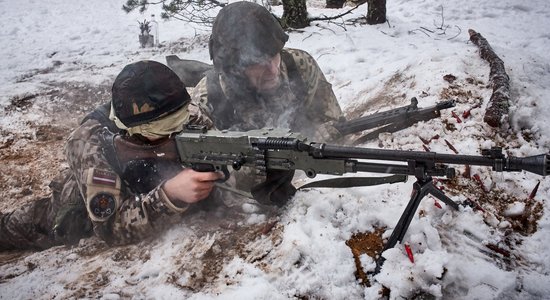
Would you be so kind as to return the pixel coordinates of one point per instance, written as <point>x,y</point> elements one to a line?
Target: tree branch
<point>499,103</point>
<point>334,17</point>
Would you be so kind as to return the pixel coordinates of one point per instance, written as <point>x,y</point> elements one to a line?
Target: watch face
<point>103,205</point>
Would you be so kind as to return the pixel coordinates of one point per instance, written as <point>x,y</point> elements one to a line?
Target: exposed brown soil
<point>32,152</point>
<point>369,243</point>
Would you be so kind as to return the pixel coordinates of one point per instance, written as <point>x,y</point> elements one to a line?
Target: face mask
<point>159,128</point>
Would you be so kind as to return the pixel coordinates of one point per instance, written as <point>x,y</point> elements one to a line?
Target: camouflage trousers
<point>47,222</point>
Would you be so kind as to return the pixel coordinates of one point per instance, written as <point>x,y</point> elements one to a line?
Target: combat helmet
<point>146,90</point>
<point>244,33</point>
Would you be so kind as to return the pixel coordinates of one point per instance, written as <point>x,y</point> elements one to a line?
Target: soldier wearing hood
<point>257,83</point>
<point>97,195</point>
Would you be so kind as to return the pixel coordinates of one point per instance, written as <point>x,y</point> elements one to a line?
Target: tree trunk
<point>294,14</point>
<point>499,104</point>
<point>335,3</point>
<point>376,12</point>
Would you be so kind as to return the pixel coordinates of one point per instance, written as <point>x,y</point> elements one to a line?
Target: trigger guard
<point>226,174</point>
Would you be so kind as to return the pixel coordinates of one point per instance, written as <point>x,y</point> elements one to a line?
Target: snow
<point>371,68</point>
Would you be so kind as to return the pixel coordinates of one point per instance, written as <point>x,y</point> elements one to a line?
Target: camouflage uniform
<point>244,35</point>
<point>303,102</point>
<point>68,214</point>
<point>31,226</point>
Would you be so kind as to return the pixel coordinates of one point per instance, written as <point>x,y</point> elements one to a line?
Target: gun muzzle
<point>537,164</point>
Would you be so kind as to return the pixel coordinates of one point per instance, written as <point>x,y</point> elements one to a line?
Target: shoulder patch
<point>102,193</point>
<point>102,177</point>
<point>102,205</point>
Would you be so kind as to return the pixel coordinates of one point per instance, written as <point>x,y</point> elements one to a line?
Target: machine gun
<point>391,120</point>
<point>276,149</point>
<point>282,150</point>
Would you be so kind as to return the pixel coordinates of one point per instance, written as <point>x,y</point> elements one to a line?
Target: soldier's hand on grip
<point>190,186</point>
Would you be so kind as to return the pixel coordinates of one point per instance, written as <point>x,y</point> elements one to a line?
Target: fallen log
<point>499,104</point>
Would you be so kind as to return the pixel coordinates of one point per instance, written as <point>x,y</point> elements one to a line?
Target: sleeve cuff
<point>180,208</point>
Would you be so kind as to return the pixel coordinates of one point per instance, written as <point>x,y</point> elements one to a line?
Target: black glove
<point>276,189</point>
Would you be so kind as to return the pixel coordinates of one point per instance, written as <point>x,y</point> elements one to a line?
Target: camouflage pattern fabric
<point>281,108</point>
<point>27,227</point>
<point>135,215</point>
<point>32,225</point>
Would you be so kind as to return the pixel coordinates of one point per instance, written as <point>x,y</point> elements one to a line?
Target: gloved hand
<point>276,189</point>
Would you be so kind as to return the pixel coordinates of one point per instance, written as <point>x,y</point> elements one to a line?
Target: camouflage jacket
<point>118,213</point>
<point>303,102</point>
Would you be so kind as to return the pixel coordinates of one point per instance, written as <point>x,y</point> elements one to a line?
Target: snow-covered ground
<point>50,49</point>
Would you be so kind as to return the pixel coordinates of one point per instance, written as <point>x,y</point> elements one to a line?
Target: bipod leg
<point>437,193</point>
<point>421,188</point>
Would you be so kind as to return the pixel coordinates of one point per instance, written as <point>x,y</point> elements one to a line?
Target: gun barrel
<point>409,113</point>
<point>373,121</point>
<point>445,104</point>
<point>537,164</point>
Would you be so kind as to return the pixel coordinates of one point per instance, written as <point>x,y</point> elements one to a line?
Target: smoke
<point>276,108</point>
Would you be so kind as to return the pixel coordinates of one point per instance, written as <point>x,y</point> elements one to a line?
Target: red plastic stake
<point>458,120</point>
<point>409,253</point>
<point>479,182</point>
<point>425,141</point>
<point>468,112</point>
<point>451,146</point>
<point>473,204</point>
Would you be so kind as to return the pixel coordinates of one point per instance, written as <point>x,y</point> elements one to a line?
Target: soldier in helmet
<point>257,83</point>
<point>97,195</point>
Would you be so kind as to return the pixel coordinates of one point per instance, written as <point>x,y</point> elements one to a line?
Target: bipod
<point>422,187</point>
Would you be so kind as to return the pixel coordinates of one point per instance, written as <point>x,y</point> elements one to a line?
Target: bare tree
<point>294,14</point>
<point>192,11</point>
<point>376,12</point>
<point>200,11</point>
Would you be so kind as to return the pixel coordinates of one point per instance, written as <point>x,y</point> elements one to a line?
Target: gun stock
<point>128,150</point>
